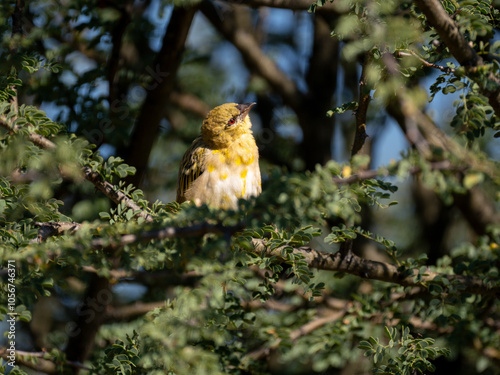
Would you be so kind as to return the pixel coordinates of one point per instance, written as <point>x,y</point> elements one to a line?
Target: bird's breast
<point>229,174</point>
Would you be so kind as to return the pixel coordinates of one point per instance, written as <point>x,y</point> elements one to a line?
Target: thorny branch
<point>113,193</point>
<point>94,177</point>
<point>370,269</point>
<point>351,264</point>
<point>37,139</point>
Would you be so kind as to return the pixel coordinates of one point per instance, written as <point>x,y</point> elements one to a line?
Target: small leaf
<point>472,179</point>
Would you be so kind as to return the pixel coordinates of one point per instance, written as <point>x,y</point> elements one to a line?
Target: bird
<point>222,164</point>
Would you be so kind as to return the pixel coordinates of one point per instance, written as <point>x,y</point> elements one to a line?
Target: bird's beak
<point>244,109</point>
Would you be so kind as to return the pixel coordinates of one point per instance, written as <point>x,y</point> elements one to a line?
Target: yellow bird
<point>222,164</point>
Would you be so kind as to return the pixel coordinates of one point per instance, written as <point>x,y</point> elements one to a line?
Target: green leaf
<point>349,106</point>
<point>471,179</point>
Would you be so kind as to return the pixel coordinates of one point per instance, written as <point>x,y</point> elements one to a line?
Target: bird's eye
<point>231,122</point>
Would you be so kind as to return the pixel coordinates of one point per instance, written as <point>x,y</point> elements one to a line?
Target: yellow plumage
<point>222,164</point>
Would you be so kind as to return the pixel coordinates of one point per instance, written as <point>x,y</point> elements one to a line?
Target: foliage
<point>202,299</point>
<point>412,354</point>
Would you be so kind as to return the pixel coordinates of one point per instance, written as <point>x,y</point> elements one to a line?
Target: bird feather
<point>192,166</point>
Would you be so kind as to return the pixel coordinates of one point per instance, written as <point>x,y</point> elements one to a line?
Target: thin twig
<point>168,232</point>
<point>425,62</point>
<point>297,333</point>
<point>363,103</point>
<point>444,165</point>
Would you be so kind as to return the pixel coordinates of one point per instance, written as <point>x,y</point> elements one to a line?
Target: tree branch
<point>423,132</point>
<point>48,229</point>
<point>444,165</point>
<point>17,18</point>
<point>424,62</point>
<point>94,177</point>
<point>168,232</point>
<point>190,103</point>
<point>307,328</point>
<point>321,78</point>
<point>147,125</point>
<point>117,41</point>
<point>255,59</point>
<point>438,18</point>
<point>131,311</point>
<point>295,5</point>
<point>17,29</point>
<point>448,30</point>
<point>38,361</point>
<point>112,193</point>
<point>37,139</point>
<point>477,208</point>
<point>51,229</point>
<point>369,269</point>
<point>363,102</point>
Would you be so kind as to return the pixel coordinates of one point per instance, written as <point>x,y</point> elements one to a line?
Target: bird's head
<point>225,124</point>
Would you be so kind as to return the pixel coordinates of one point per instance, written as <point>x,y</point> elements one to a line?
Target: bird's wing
<point>191,168</point>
